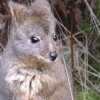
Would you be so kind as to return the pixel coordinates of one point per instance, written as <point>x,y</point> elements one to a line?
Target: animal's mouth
<point>33,63</point>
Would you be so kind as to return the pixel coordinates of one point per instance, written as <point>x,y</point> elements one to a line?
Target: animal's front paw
<point>24,81</point>
<point>31,85</point>
<point>30,82</point>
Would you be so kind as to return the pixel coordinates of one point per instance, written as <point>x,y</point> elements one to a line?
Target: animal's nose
<point>53,55</point>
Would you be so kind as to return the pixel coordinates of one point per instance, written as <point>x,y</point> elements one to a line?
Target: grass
<point>88,95</point>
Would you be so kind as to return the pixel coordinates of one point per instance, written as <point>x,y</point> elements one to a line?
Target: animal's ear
<point>19,12</point>
<point>15,8</point>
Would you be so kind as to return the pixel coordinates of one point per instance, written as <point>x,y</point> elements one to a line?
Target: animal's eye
<point>34,39</point>
<point>55,38</point>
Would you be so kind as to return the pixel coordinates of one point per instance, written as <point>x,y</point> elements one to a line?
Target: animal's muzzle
<point>53,55</point>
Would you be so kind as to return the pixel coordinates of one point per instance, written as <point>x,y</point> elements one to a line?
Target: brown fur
<point>27,72</point>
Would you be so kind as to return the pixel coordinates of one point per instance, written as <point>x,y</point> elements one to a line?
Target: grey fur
<point>52,79</point>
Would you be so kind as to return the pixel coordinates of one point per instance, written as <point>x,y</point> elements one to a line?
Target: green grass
<point>86,95</point>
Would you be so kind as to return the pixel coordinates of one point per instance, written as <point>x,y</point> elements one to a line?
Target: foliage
<point>86,95</point>
<point>97,10</point>
<point>86,26</point>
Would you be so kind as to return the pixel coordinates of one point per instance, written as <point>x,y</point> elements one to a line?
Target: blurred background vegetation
<point>78,28</point>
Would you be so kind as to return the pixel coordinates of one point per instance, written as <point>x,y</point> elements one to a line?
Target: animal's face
<point>32,33</point>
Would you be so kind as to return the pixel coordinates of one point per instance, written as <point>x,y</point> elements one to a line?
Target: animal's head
<point>32,30</point>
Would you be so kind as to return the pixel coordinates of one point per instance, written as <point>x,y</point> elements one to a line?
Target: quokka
<point>30,67</point>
